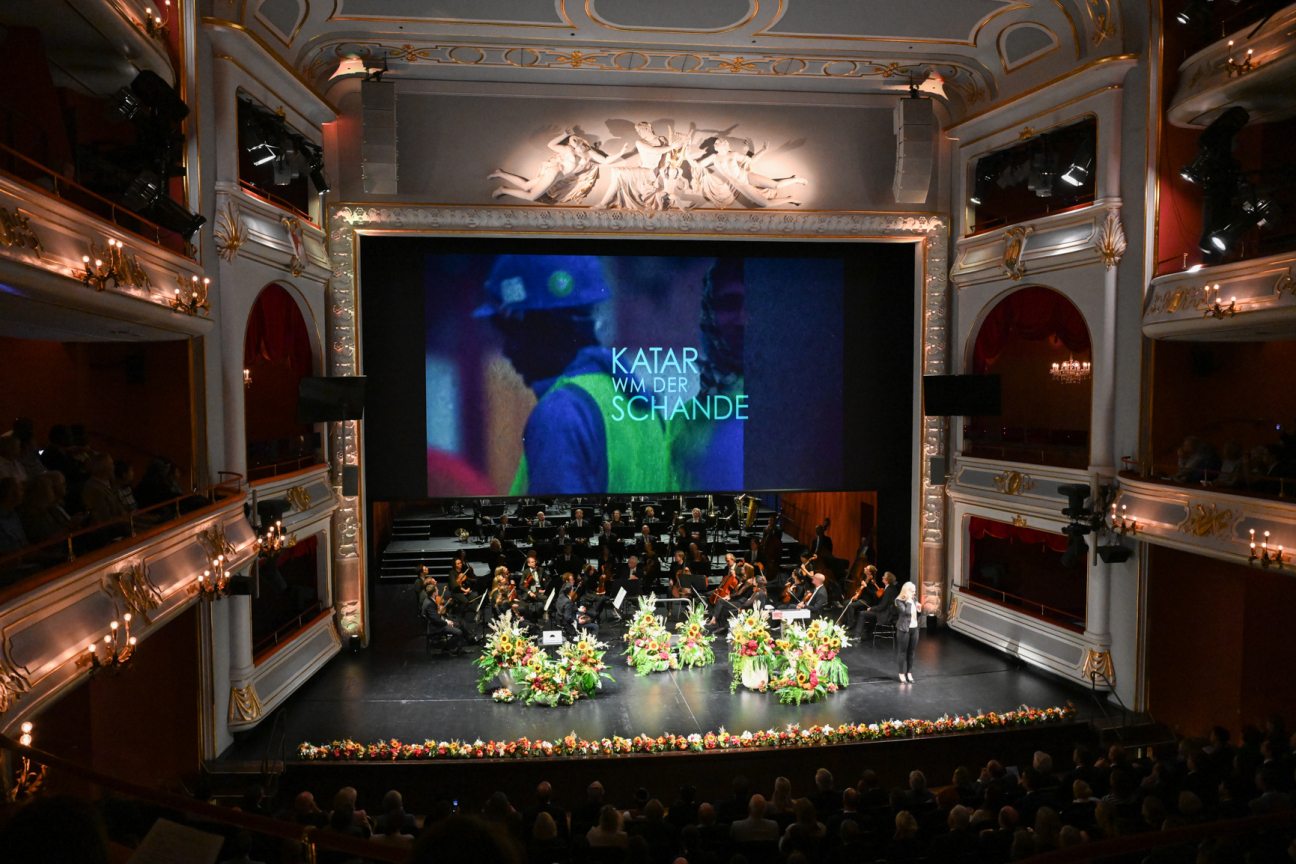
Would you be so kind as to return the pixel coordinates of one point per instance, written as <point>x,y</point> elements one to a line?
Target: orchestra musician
<point>649,515</point>
<point>634,576</point>
<point>695,529</point>
<point>817,599</point>
<point>570,617</point>
<point>531,590</point>
<point>698,563</point>
<point>567,562</point>
<point>539,521</point>
<point>727,602</point>
<point>798,583</point>
<point>608,540</point>
<point>822,545</point>
<point>503,595</point>
<point>433,606</point>
<point>884,610</point>
<point>578,520</point>
<point>677,566</point>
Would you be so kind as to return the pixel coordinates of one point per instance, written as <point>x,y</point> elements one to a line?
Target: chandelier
<point>1071,371</point>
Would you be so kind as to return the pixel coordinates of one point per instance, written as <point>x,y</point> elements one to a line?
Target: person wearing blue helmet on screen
<point>575,441</point>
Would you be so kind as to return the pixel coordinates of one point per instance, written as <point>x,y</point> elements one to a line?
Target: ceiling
<point>970,53</point>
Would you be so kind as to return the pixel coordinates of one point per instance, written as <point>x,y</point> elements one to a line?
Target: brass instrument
<point>462,535</point>
<point>751,512</point>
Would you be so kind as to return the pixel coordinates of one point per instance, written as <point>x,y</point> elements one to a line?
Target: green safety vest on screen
<point>637,457</point>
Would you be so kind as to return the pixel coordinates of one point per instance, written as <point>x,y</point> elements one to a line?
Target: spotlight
<point>146,188</point>
<point>159,96</point>
<point>1251,210</point>
<point>1115,553</point>
<point>1077,494</point>
<point>125,106</point>
<point>1078,173</point>
<point>317,178</point>
<point>146,195</point>
<point>1215,148</point>
<point>1077,548</point>
<point>1198,11</point>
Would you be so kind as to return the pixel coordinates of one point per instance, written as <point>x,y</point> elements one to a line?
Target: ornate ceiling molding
<point>962,80</point>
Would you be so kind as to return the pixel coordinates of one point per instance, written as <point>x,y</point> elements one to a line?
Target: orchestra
<point>576,570</point>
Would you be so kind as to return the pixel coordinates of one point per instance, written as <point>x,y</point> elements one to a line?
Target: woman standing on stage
<point>906,627</point>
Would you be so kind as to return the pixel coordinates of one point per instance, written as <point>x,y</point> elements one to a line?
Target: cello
<point>727,586</point>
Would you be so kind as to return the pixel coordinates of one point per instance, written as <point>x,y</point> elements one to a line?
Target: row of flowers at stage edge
<point>792,736</point>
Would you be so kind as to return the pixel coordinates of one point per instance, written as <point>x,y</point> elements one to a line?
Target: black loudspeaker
<point>330,400</point>
<point>350,481</point>
<point>937,471</point>
<point>961,396</point>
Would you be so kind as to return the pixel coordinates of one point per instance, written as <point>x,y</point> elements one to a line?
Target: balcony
<point>1015,486</point>
<point>1257,301</point>
<point>49,223</point>
<point>48,619</point>
<point>1212,521</point>
<point>1251,71</point>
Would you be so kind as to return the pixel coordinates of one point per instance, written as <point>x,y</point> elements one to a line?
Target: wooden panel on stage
<point>851,513</point>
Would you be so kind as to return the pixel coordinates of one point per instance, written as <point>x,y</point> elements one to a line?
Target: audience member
<point>805,829</point>
<point>825,798</point>
<point>608,830</point>
<point>98,495</point>
<point>781,801</point>
<point>124,483</point>
<point>904,845</point>
<point>545,843</point>
<point>1232,472</point>
<point>10,463</point>
<point>544,804</point>
<point>684,810</point>
<point>394,815</point>
<point>755,827</point>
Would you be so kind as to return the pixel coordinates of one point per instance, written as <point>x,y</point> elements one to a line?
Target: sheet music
<point>549,599</point>
<point>621,595</point>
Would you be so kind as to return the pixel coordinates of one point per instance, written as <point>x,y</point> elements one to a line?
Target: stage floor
<point>393,689</point>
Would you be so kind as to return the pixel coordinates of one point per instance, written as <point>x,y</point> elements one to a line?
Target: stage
<point>394,689</point>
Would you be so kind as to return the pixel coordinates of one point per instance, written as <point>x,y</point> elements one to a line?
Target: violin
<point>460,580</point>
<point>726,587</point>
<point>602,583</point>
<point>793,581</point>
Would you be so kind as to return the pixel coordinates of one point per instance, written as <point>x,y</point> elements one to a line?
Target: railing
<point>1283,487</point>
<point>1026,606</point>
<point>1028,455</point>
<point>14,122</point>
<point>288,466</point>
<point>311,838</point>
<point>66,548</point>
<point>292,626</point>
<point>50,182</point>
<point>270,198</point>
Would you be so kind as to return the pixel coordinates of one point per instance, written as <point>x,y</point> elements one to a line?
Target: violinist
<point>503,595</point>
<point>732,595</point>
<point>531,590</point>
<point>462,578</point>
<point>570,617</point>
<point>797,584</point>
<point>433,607</point>
<point>817,598</point>
<point>645,545</point>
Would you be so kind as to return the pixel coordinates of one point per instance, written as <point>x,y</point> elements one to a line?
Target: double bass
<point>855,576</point>
<point>772,544</point>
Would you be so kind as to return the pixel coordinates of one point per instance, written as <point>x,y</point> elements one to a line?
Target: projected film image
<point>579,374</point>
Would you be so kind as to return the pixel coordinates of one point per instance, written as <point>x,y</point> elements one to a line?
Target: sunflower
<point>694,630</point>
<point>751,621</point>
<point>836,643</point>
<point>802,678</point>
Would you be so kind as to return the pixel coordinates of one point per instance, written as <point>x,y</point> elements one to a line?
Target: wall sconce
<point>1267,556</point>
<point>98,276</point>
<point>194,300</point>
<point>26,780</point>
<point>274,541</point>
<point>154,24</point>
<point>1236,69</point>
<point>1215,309</point>
<point>247,378</point>
<point>1123,523</point>
<point>119,648</point>
<point>213,583</point>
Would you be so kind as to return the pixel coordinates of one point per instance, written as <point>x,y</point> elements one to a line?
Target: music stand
<point>516,532</point>
<point>545,534</point>
<point>622,531</point>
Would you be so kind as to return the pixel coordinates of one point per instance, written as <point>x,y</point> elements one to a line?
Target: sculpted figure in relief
<point>565,177</point>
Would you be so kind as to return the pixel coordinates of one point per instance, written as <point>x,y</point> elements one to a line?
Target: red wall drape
<point>1032,314</point>
<point>979,527</point>
<point>276,332</point>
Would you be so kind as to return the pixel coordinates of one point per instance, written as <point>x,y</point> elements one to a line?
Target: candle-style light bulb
<point>114,625</point>
<point>126,617</point>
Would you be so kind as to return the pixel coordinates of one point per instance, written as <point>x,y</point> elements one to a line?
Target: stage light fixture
<point>317,176</point>
<point>1198,11</point>
<point>125,106</point>
<point>161,98</point>
<point>1078,172</point>
<point>1076,495</point>
<point>1251,211</point>
<point>1077,548</point>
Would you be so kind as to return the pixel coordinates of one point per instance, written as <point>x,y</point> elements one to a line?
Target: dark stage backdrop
<point>822,339</point>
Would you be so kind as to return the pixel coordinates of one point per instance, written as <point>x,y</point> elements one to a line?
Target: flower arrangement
<point>546,682</point>
<point>694,643</point>
<point>751,647</point>
<point>583,663</point>
<point>792,736</point>
<point>504,695</point>
<point>819,644</point>
<point>508,646</point>
<point>649,641</point>
<point>798,679</point>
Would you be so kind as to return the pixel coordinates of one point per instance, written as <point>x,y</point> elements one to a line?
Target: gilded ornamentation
<point>123,269</point>
<point>135,589</point>
<point>1026,132</point>
<point>345,220</point>
<point>1019,521</point>
<point>1206,521</point>
<point>14,681</point>
<point>961,77</point>
<point>299,497</point>
<point>1098,664</point>
<point>1014,248</point>
<point>16,231</point>
<point>231,232</point>
<point>1171,300</point>
<point>1110,242</point>
<point>1013,483</point>
<point>1285,283</point>
<point>954,607</point>
<point>244,703</point>
<point>297,264</point>
<point>215,543</point>
<point>1104,24</point>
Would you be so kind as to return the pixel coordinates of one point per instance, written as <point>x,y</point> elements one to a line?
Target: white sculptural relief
<point>671,175</point>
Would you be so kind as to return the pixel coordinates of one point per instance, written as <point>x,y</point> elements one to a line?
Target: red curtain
<point>1031,314</point>
<point>300,550</point>
<point>276,333</point>
<point>979,527</point>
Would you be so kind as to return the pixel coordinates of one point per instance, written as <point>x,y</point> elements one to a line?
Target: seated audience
<point>754,828</point>
<point>608,830</point>
<point>98,495</point>
<point>12,536</point>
